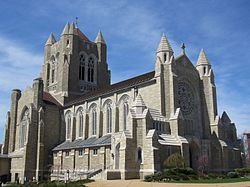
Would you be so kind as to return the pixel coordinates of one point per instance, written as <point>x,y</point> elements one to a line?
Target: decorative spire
<point>99,38</point>
<point>164,44</point>
<point>139,101</point>
<point>66,29</point>
<point>76,22</point>
<point>202,58</point>
<point>51,40</point>
<point>139,104</point>
<point>72,28</point>
<point>183,48</point>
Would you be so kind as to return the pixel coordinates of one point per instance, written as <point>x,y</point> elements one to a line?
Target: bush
<point>79,183</point>
<point>212,176</point>
<point>242,171</point>
<point>174,161</point>
<point>232,174</point>
<point>148,178</point>
<point>193,177</point>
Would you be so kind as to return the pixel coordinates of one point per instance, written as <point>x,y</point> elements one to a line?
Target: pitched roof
<point>49,98</point>
<point>81,35</point>
<point>80,143</point>
<point>114,87</point>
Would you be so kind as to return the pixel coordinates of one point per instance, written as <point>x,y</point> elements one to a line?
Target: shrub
<point>148,178</point>
<point>242,171</point>
<point>232,174</point>
<point>174,161</point>
<point>212,176</point>
<point>193,177</point>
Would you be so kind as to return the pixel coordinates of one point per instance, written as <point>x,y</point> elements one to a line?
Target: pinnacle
<point>139,101</point>
<point>66,29</point>
<point>99,38</point>
<point>202,58</point>
<point>72,28</point>
<point>164,44</point>
<point>51,40</point>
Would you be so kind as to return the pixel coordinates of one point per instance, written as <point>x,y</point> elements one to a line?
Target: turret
<point>51,40</point>
<point>209,97</point>
<point>66,29</point>
<point>103,72</point>
<point>203,65</point>
<point>15,96</point>
<point>38,92</point>
<point>101,47</point>
<point>164,50</point>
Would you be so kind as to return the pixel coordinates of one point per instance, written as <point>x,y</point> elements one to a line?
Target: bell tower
<point>74,65</point>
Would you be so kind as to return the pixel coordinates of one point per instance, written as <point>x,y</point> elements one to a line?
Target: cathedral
<point>73,122</point>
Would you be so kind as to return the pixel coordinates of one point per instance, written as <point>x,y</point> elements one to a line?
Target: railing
<point>94,173</point>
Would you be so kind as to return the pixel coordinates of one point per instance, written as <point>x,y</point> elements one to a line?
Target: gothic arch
<point>92,106</point>
<point>91,68</point>
<point>123,98</point>
<point>107,101</point>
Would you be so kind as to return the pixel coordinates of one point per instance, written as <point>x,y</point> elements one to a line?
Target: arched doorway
<point>117,156</point>
<point>194,153</point>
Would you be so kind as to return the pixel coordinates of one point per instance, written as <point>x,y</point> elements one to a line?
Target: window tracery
<point>91,69</point>
<point>185,98</point>
<point>23,128</point>
<point>82,67</point>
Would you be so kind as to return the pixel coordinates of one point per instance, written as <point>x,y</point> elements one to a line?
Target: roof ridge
<point>122,84</point>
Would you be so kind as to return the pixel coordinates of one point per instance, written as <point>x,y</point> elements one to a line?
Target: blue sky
<point>132,30</point>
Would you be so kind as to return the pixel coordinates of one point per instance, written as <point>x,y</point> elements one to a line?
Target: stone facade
<point>73,121</point>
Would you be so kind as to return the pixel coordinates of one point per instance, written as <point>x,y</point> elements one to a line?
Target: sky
<point>132,31</point>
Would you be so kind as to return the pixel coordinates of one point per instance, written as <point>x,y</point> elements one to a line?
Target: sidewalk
<point>138,183</point>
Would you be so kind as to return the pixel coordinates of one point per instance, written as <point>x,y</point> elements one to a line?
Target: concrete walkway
<point>138,183</point>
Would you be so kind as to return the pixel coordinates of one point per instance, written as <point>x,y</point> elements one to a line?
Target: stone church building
<point>73,121</point>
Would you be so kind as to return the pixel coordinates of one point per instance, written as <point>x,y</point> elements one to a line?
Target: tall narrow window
<point>23,129</point>
<point>82,67</point>
<point>165,57</point>
<point>109,119</point>
<point>91,69</point>
<point>53,69</point>
<point>139,155</point>
<point>48,73</point>
<point>204,70</point>
<point>68,125</point>
<point>125,115</point>
<point>94,122</point>
<point>80,124</point>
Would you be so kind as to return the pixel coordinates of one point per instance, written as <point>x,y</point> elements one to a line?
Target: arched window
<point>165,57</point>
<point>204,70</point>
<point>23,128</point>
<point>48,73</point>
<point>82,67</point>
<point>139,155</point>
<point>53,70</point>
<point>109,119</point>
<point>91,69</point>
<point>94,122</point>
<point>125,115</point>
<point>68,126</point>
<point>80,124</point>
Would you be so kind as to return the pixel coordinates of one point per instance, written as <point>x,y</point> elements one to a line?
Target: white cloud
<point>18,67</point>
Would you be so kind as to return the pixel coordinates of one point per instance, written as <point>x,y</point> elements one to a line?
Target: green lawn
<point>211,180</point>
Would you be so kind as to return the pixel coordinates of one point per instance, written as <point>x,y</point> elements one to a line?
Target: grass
<point>211,181</point>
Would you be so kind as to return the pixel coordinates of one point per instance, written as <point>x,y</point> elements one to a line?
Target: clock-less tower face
<point>185,98</point>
